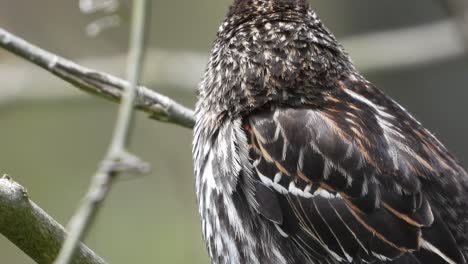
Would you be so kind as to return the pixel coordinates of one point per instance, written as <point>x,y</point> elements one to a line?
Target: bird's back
<point>299,159</point>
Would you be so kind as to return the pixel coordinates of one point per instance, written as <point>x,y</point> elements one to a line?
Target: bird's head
<point>270,52</point>
<point>242,6</point>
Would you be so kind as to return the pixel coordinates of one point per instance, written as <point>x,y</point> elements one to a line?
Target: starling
<point>299,159</point>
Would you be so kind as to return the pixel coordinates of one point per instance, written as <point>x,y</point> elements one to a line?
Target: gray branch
<point>158,106</point>
<point>406,47</point>
<point>380,51</point>
<point>459,10</point>
<point>30,228</point>
<point>33,230</point>
<point>117,159</point>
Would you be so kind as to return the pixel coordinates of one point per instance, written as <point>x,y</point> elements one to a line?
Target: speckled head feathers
<point>271,52</point>
<point>242,6</point>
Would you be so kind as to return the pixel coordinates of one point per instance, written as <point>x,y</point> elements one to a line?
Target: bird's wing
<point>345,185</point>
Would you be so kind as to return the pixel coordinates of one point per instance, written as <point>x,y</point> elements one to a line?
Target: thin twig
<point>158,106</point>
<point>117,158</point>
<point>31,229</point>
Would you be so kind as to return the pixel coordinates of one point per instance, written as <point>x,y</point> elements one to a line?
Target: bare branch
<point>117,158</point>
<point>33,230</point>
<point>406,47</point>
<point>459,10</point>
<point>42,238</point>
<point>158,106</point>
<point>387,50</point>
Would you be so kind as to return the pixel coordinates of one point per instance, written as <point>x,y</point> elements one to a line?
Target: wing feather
<point>336,192</point>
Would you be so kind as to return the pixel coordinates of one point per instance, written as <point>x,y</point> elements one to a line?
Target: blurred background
<point>52,136</point>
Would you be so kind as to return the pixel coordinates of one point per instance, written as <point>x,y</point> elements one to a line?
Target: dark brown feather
<point>366,209</point>
<point>299,159</point>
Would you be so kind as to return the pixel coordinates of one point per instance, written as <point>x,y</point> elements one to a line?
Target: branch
<point>406,47</point>
<point>459,10</point>
<point>380,51</point>
<point>117,159</point>
<point>33,230</point>
<point>37,234</point>
<point>158,106</point>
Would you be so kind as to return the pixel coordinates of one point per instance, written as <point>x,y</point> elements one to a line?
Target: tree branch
<point>378,51</point>
<point>33,230</point>
<point>30,228</point>
<point>117,159</point>
<point>158,106</point>
<point>459,10</point>
<point>406,47</point>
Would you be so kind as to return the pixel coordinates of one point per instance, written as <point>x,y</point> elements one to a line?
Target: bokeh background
<point>52,135</point>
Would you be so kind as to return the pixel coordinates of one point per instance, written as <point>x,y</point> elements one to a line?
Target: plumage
<point>299,159</point>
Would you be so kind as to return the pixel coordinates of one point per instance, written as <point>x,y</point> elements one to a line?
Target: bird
<point>299,159</point>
